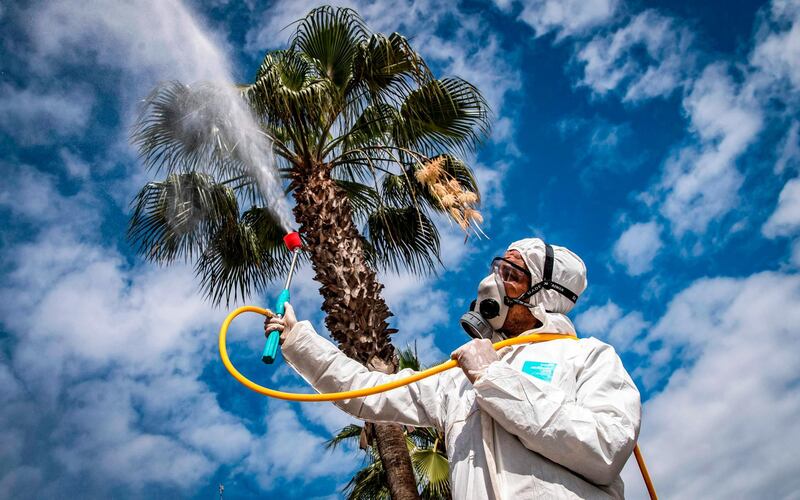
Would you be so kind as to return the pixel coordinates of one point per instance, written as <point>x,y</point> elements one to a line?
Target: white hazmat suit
<point>556,419</point>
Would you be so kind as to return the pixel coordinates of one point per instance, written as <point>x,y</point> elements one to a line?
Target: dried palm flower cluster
<point>459,203</point>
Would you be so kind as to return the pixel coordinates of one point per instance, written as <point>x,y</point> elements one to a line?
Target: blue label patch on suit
<point>539,369</point>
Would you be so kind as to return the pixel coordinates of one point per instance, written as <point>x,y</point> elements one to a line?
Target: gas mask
<point>488,313</point>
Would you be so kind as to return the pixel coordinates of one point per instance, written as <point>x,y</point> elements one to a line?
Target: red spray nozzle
<point>292,241</point>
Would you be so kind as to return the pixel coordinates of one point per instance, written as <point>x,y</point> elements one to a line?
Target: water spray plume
<point>210,128</point>
<point>243,140</point>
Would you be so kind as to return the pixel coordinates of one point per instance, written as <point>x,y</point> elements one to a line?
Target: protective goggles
<point>508,272</point>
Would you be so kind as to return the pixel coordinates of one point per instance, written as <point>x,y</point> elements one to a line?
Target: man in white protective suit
<point>555,419</point>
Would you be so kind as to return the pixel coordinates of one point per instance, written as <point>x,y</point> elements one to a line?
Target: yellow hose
<point>360,393</point>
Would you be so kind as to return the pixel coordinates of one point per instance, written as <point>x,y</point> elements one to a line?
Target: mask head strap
<point>549,259</point>
<point>547,282</point>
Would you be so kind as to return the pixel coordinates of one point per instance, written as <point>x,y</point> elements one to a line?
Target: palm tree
<point>370,145</point>
<point>426,446</point>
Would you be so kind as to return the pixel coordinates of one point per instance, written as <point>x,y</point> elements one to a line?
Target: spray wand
<point>294,244</point>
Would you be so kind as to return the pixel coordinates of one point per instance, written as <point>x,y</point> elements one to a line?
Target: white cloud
<point>99,436</point>
<point>785,220</point>
<point>647,57</point>
<point>476,57</point>
<point>502,131</point>
<point>727,108</point>
<point>794,258</point>
<point>700,182</point>
<point>145,42</point>
<point>598,319</point>
<point>777,49</point>
<point>331,417</point>
<point>790,149</point>
<point>726,105</point>
<point>76,166</point>
<point>637,246</point>
<point>39,116</point>
<point>110,359</point>
<point>490,180</point>
<point>626,330</point>
<point>607,323</point>
<point>725,424</point>
<point>721,112</point>
<point>31,194</point>
<point>565,17</point>
<point>607,136</point>
<point>288,449</point>
<point>420,312</point>
<point>152,39</point>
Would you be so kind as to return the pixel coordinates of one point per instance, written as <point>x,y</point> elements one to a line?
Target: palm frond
<point>427,437</point>
<point>201,127</point>
<point>290,96</point>
<point>293,70</point>
<point>243,256</point>
<point>363,199</point>
<point>434,471</point>
<point>349,433</point>
<point>176,217</point>
<point>400,190</point>
<point>408,358</point>
<point>371,127</point>
<point>443,115</point>
<point>460,171</point>
<point>387,67</point>
<point>287,87</point>
<point>405,189</point>
<point>331,37</point>
<point>403,237</point>
<point>369,483</point>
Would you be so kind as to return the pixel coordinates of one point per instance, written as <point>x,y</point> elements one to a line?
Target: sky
<point>658,140</point>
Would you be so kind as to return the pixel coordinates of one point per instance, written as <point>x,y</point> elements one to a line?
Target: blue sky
<point>658,140</point>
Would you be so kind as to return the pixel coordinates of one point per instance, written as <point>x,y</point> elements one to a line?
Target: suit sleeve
<point>327,369</point>
<point>592,436</point>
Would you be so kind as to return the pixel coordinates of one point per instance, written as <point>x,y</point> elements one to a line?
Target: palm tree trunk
<point>393,451</point>
<point>356,314</point>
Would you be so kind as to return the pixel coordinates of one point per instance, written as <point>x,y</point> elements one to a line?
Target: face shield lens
<point>508,272</point>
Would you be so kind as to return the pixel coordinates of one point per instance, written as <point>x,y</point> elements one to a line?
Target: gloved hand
<point>474,357</point>
<point>284,325</point>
